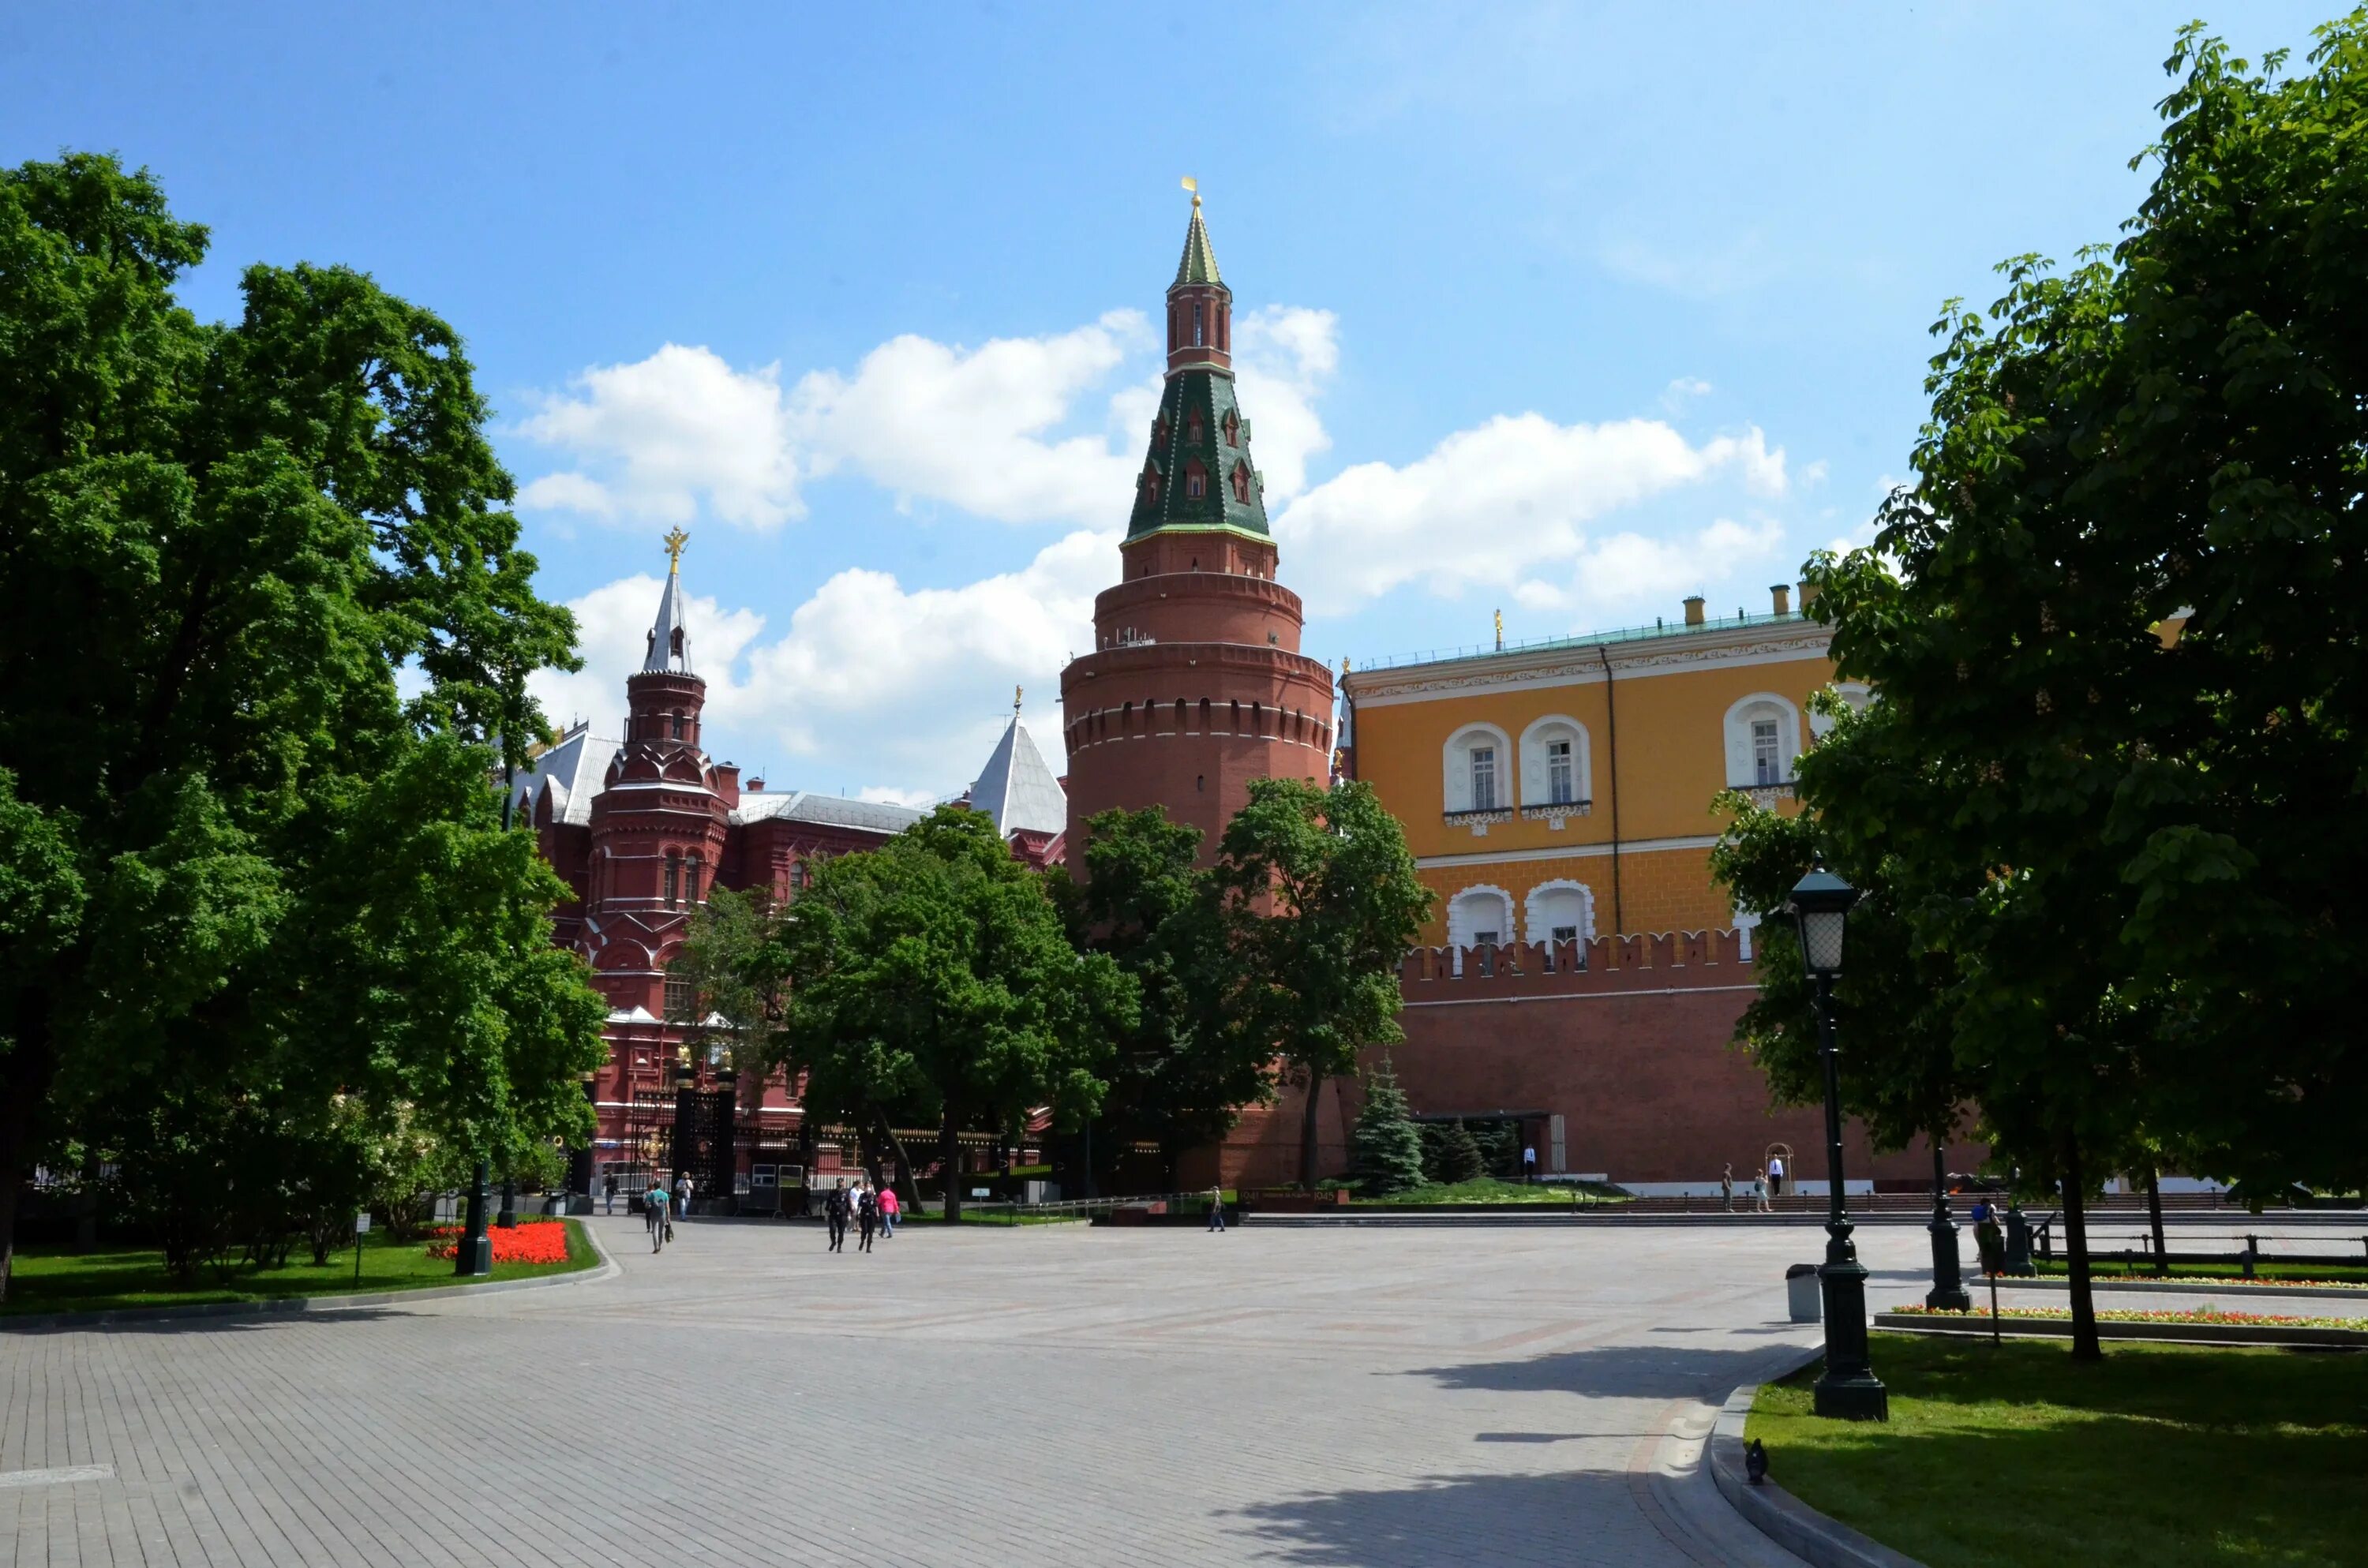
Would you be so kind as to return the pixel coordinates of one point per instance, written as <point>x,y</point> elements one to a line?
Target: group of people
<point>1766,1185</point>
<point>660,1206</point>
<point>870,1208</point>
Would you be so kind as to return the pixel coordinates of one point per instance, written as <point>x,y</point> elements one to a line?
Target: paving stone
<point>1051,1395</point>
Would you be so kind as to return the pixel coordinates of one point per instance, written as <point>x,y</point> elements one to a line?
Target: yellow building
<point>1564,789</point>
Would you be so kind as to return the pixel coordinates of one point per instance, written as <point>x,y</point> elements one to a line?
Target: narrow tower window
<point>1196,323</point>
<point>676,732</point>
<point>1242,484</point>
<point>673,882</point>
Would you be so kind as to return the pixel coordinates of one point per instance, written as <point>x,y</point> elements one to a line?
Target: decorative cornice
<point>1566,666</point>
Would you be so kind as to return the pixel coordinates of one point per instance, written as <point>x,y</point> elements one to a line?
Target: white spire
<point>1015,789</point>
<point>670,646</point>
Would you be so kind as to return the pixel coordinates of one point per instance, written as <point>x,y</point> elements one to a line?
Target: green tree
<point>1388,1148</point>
<point>933,977</point>
<point>1321,903</point>
<point>2116,627</point>
<point>1181,1076</point>
<point>260,877</point>
<point>1450,1154</point>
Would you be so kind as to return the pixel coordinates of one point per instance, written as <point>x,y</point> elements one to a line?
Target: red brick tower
<point>659,827</point>
<point>1196,684</point>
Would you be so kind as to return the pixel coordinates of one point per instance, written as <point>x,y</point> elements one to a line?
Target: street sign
<point>361,1223</point>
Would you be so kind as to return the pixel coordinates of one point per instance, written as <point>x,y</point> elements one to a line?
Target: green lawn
<point>49,1279</point>
<point>2330,1273</point>
<point>1488,1189</point>
<point>2165,1455</point>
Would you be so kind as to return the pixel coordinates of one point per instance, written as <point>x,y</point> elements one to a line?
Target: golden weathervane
<point>1194,186</point>
<point>674,541</point>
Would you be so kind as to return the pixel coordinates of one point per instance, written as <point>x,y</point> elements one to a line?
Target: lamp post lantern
<point>1820,905</point>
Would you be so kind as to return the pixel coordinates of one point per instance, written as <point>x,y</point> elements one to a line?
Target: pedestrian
<point>1529,1164</point>
<point>682,1194</point>
<point>1760,1193</point>
<point>867,1217</point>
<point>609,1194</point>
<point>1217,1209</point>
<point>654,1213</point>
<point>890,1207</point>
<point>834,1213</point>
<point>1726,1186</point>
<point>1775,1175</point>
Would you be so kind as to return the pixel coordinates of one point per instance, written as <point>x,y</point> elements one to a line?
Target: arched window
<point>1196,323</point>
<point>1479,917</point>
<point>673,881</point>
<point>1126,720</point>
<point>1559,911</point>
<point>1242,484</point>
<point>691,880</point>
<point>1204,715</point>
<point>1763,738</point>
<point>1258,718</point>
<point>1196,479</point>
<point>1473,767</point>
<point>1192,427</point>
<point>1150,485</point>
<point>1233,428</point>
<point>1556,766</point>
<point>1180,715</point>
<point>674,731</point>
<point>1238,716</point>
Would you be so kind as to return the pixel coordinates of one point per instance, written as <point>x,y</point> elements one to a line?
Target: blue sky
<point>1565,310</point>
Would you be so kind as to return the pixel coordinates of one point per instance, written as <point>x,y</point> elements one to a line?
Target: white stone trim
<point>1455,768</point>
<point>1533,926</point>
<point>1737,730</point>
<point>1565,852</point>
<point>1459,928</point>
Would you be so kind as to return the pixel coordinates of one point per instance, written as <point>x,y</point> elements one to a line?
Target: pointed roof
<point>669,644</point>
<point>1200,263</point>
<point>1015,789</point>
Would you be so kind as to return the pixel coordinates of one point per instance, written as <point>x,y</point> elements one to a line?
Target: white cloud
<point>898,693</point>
<point>970,426</point>
<point>889,795</point>
<point>667,437</point>
<point>1283,356</point>
<point>1684,390</point>
<point>1491,507</point>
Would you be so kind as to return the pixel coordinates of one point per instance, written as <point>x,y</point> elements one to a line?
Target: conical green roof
<point>1199,436</point>
<point>1200,263</point>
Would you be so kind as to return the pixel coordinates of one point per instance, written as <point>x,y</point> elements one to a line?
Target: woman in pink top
<point>888,1212</point>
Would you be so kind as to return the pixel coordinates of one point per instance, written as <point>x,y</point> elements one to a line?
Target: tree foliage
<point>1321,901</point>
<point>2114,775</point>
<point>1181,1076</point>
<point>254,876</point>
<point>933,979</point>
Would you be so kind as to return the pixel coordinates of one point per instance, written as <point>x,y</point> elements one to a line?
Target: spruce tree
<point>1388,1146</point>
<point>1459,1157</point>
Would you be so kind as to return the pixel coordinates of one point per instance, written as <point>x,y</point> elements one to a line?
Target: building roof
<point>829,811</point>
<point>1016,789</point>
<point>574,768</point>
<point>669,645</point>
<point>1200,263</point>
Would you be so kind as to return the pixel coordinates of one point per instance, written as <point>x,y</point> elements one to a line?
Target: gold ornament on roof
<point>1194,186</point>
<point>674,541</point>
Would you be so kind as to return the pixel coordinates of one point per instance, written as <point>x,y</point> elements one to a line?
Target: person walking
<point>682,1195</point>
<point>890,1207</point>
<point>867,1217</point>
<point>1217,1209</point>
<point>1529,1164</point>
<point>834,1213</point>
<point>608,1194</point>
<point>654,1213</point>
<point>1726,1186</point>
<point>1775,1175</point>
<point>1759,1193</point>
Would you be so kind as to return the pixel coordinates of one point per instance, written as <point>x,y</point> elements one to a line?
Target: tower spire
<point>669,641</point>
<point>1200,263</point>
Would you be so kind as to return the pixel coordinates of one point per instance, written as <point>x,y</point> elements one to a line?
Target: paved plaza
<point>1049,1395</point>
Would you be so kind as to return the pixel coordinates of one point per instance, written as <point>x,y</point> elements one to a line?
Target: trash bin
<point>1801,1292</point>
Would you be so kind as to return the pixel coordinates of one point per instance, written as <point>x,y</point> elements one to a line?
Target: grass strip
<point>1489,1189</point>
<point>2016,1456</point>
<point>53,1279</point>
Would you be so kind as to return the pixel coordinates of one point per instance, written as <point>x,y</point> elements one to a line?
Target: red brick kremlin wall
<point>1633,1050</point>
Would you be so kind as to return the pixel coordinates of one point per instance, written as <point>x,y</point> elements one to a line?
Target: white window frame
<point>1539,909</point>
<point>1483,906</point>
<point>1761,705</point>
<point>1455,765</point>
<point>1484,777</point>
<point>1854,694</point>
<point>1536,768</point>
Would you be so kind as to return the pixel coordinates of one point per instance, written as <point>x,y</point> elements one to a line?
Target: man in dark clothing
<point>867,1215</point>
<point>834,1210</point>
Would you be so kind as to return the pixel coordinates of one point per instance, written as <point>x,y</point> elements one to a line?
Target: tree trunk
<point>1307,1131</point>
<point>2154,1215</point>
<point>2085,1346</point>
<point>25,1076</point>
<point>949,1164</point>
<point>908,1190</point>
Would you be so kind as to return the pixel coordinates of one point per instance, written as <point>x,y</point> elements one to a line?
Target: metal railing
<point>1579,639</point>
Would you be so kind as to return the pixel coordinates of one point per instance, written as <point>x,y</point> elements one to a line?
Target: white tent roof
<point>1016,789</point>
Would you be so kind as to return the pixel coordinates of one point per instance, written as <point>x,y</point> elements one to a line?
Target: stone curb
<point>2192,1287</point>
<point>2173,1333</point>
<point>288,1306</point>
<point>1781,1516</point>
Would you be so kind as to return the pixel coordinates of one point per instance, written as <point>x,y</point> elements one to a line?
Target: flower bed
<point>531,1241</point>
<point>2205,1315</point>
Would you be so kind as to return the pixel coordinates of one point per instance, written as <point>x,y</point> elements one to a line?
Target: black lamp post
<point>1948,1293</point>
<point>1821,904</point>
<point>475,1253</point>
